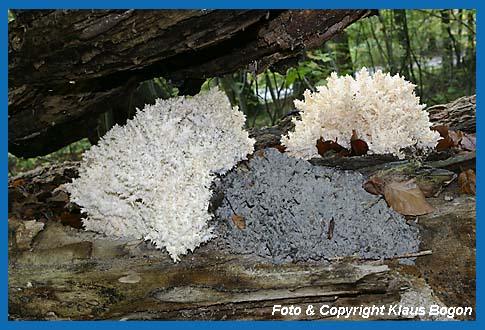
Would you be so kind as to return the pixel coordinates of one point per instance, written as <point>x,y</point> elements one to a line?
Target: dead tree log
<point>65,66</point>
<point>58,271</point>
<point>457,115</point>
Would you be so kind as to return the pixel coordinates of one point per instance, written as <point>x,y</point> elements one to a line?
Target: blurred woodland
<point>435,49</point>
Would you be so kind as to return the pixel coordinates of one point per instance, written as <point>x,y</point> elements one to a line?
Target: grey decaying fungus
<point>294,211</point>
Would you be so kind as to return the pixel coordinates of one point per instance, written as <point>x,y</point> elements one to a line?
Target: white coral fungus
<point>151,178</point>
<point>382,109</point>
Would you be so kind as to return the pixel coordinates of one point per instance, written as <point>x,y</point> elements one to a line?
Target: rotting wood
<point>457,115</point>
<point>72,274</point>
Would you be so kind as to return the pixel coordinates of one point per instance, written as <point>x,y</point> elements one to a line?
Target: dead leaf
<point>343,153</point>
<point>442,129</point>
<point>453,139</point>
<point>16,183</point>
<point>374,186</point>
<point>324,146</point>
<point>467,182</point>
<point>469,142</point>
<point>444,144</point>
<point>239,221</point>
<point>406,198</point>
<point>358,147</point>
<point>456,137</point>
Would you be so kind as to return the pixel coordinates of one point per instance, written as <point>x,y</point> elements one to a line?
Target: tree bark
<point>66,66</point>
<point>457,115</point>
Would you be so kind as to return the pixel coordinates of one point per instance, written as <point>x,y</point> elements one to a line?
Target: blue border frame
<point>184,4</point>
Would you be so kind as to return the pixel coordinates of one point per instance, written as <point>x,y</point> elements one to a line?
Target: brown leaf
<point>442,129</point>
<point>239,221</point>
<point>469,142</point>
<point>451,139</point>
<point>444,144</point>
<point>16,183</point>
<point>406,198</point>
<point>358,147</point>
<point>324,146</point>
<point>467,182</point>
<point>343,153</point>
<point>456,137</point>
<point>374,186</point>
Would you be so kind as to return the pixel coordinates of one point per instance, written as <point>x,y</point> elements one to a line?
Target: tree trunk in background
<point>406,63</point>
<point>342,50</point>
<point>67,66</point>
<point>447,59</point>
<point>470,56</point>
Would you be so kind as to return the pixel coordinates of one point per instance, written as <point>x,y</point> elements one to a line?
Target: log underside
<point>67,66</point>
<point>71,274</point>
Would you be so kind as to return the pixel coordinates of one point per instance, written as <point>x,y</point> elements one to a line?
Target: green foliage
<point>434,49</point>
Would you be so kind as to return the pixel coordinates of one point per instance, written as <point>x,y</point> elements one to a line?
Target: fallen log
<point>58,271</point>
<point>457,115</point>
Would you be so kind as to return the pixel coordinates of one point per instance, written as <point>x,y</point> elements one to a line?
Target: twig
<point>406,255</point>
<point>415,254</point>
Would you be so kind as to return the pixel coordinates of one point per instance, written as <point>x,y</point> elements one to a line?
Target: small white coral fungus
<point>151,178</point>
<point>382,109</point>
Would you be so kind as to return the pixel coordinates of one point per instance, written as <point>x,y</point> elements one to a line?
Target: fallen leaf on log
<point>374,186</point>
<point>455,137</point>
<point>442,129</point>
<point>445,144</point>
<point>469,142</point>
<point>324,146</point>
<point>429,180</point>
<point>358,147</point>
<point>239,221</point>
<point>467,182</point>
<point>406,198</point>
